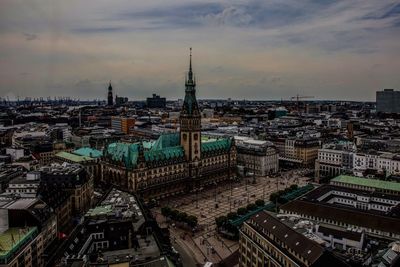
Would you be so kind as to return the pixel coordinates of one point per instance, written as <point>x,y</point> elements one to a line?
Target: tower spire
<point>190,63</point>
<point>190,74</point>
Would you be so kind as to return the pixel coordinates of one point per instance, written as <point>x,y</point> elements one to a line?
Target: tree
<point>294,187</point>
<point>241,211</point>
<point>181,216</point>
<point>260,202</point>
<point>166,211</point>
<point>174,214</point>
<point>273,197</point>
<point>191,221</point>
<point>221,220</point>
<point>251,206</point>
<point>231,215</point>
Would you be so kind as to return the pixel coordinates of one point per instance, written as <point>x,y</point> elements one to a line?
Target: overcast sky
<point>261,49</point>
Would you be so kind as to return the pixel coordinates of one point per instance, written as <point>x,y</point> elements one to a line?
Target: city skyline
<point>244,50</point>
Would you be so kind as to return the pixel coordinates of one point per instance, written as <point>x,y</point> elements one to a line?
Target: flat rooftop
<point>73,157</point>
<point>374,183</point>
<point>118,204</point>
<point>13,238</point>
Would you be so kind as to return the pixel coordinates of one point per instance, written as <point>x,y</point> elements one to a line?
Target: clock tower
<point>190,120</point>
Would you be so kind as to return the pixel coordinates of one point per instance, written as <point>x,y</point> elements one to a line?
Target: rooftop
<point>302,246</point>
<point>374,183</point>
<point>118,204</point>
<point>88,152</point>
<point>73,157</point>
<point>13,238</point>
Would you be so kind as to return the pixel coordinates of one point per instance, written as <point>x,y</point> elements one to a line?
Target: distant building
<point>300,151</point>
<point>120,100</point>
<point>6,137</point>
<point>257,156</point>
<point>122,124</point>
<point>25,186</point>
<point>156,102</point>
<point>334,159</point>
<point>7,173</point>
<point>388,101</point>
<point>110,96</point>
<point>383,162</point>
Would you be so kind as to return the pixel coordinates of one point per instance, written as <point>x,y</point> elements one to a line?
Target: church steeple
<point>110,100</point>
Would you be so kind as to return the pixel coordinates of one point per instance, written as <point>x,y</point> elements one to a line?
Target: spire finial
<point>190,67</point>
<point>190,73</point>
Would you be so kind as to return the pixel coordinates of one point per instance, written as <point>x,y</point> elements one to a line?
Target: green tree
<point>221,220</point>
<point>181,216</point>
<point>251,206</point>
<point>174,214</point>
<point>241,211</point>
<point>294,187</point>
<point>273,197</point>
<point>192,221</point>
<point>231,215</point>
<point>166,211</point>
<point>260,202</point>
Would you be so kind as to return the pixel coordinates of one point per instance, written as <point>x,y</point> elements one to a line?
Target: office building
<point>256,156</point>
<point>156,101</point>
<point>122,124</point>
<point>388,101</point>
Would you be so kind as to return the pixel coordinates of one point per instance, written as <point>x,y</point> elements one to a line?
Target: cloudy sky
<point>252,49</point>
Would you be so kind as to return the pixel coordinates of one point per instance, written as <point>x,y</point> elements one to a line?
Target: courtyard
<point>209,203</point>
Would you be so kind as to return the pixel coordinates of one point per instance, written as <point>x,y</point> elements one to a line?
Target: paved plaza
<point>209,203</point>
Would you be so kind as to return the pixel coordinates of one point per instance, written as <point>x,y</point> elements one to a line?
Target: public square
<point>205,245</point>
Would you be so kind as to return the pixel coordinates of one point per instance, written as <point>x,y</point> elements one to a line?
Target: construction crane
<point>297,97</point>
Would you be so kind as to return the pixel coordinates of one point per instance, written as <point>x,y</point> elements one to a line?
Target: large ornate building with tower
<point>174,163</point>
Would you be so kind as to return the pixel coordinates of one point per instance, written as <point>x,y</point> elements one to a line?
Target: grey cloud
<point>30,36</point>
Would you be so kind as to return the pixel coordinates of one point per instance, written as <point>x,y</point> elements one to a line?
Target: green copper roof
<point>164,154</point>
<point>148,144</point>
<point>128,153</point>
<point>166,140</point>
<point>88,152</point>
<point>73,157</point>
<point>165,148</point>
<point>379,184</point>
<point>219,144</point>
